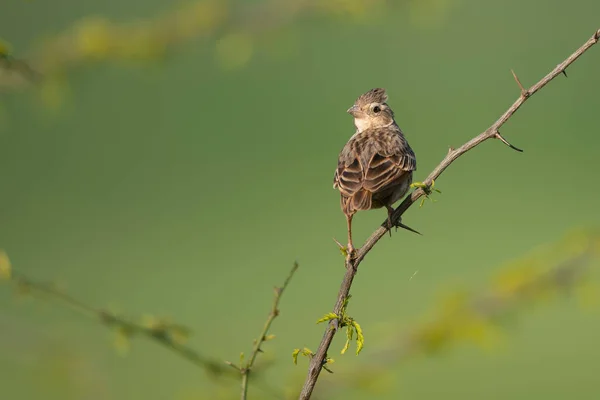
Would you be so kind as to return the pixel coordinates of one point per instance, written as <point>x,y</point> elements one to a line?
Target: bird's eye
<point>376,109</point>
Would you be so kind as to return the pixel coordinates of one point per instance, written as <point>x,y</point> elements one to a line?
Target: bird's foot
<point>428,189</point>
<point>349,252</point>
<point>397,224</point>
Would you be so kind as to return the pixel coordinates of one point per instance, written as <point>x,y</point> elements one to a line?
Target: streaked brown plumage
<point>375,167</point>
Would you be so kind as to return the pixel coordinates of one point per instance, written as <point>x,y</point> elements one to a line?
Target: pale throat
<point>366,123</point>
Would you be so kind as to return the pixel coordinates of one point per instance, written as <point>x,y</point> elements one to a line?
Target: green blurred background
<point>188,186</point>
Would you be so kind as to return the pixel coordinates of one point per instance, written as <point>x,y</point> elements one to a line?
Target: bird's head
<point>370,110</point>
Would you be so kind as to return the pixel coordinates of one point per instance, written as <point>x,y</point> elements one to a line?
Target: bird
<point>375,167</point>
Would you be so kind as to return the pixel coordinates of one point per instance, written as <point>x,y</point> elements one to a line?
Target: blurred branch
<point>233,27</point>
<point>160,331</point>
<point>245,369</point>
<point>320,357</point>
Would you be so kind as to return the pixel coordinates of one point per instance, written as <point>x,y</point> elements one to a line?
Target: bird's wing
<point>373,160</point>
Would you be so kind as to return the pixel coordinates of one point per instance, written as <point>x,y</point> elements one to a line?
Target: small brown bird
<point>375,167</point>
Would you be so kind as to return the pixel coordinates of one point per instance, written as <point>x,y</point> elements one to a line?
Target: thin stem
<point>245,370</point>
<point>160,335</point>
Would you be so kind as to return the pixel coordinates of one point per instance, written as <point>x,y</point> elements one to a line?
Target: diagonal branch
<point>163,333</point>
<point>318,360</point>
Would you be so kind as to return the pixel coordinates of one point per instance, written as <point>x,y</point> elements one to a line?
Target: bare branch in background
<point>319,358</point>
<point>246,368</point>
<point>233,30</point>
<point>172,336</point>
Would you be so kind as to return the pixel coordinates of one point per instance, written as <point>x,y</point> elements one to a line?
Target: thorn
<point>450,149</point>
<point>564,71</point>
<point>597,34</point>
<point>524,92</point>
<point>408,228</point>
<point>232,365</point>
<point>499,136</point>
<point>341,246</point>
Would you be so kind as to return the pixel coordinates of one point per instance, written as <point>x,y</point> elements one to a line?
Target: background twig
<point>245,369</point>
<point>163,332</point>
<point>318,360</point>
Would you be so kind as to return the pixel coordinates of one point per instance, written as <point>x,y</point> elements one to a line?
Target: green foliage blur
<point>174,159</point>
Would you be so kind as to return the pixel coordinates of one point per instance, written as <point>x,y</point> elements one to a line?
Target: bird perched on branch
<point>375,167</point>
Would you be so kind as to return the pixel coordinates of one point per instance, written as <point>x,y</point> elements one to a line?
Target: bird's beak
<point>353,110</point>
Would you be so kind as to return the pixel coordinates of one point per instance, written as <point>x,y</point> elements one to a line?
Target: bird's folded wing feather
<point>373,160</point>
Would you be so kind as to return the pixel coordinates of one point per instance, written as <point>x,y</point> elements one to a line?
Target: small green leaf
<point>349,332</point>
<point>4,48</point>
<point>295,356</point>
<point>179,333</point>
<point>5,266</point>
<point>360,339</point>
<point>328,317</point>
<point>122,341</point>
<point>345,347</point>
<point>307,352</point>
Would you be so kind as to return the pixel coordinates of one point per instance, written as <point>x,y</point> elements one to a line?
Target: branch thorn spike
<point>524,92</point>
<point>341,246</point>
<point>408,228</point>
<point>506,142</point>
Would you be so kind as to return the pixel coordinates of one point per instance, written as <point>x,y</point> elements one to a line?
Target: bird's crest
<point>377,95</point>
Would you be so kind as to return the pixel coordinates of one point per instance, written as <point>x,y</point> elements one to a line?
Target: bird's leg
<point>350,248</point>
<point>390,211</point>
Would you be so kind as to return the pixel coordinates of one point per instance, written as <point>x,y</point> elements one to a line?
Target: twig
<point>320,356</point>
<point>245,369</point>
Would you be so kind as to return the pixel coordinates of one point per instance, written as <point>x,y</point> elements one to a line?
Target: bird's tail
<point>362,200</point>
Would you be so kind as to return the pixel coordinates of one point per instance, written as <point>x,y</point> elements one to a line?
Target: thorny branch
<point>320,357</point>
